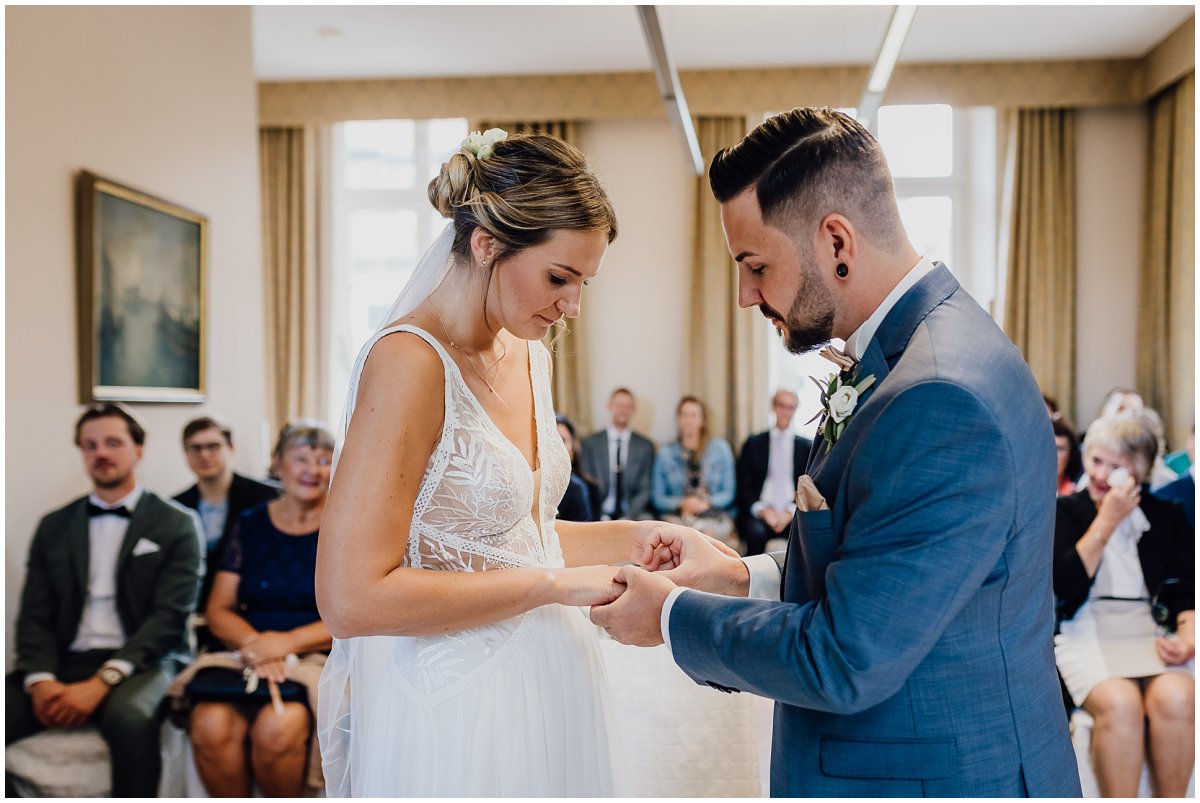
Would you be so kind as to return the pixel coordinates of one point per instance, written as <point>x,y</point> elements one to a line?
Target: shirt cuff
<point>37,677</point>
<point>757,508</point>
<point>124,667</point>
<point>764,577</point>
<point>664,621</point>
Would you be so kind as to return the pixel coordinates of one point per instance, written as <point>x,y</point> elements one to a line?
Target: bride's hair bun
<point>527,186</point>
<point>454,185</point>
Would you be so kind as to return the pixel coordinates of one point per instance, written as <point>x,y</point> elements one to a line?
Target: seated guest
<point>693,476</point>
<point>1183,490</point>
<point>1160,473</point>
<point>767,470</point>
<point>263,605</point>
<point>102,626</point>
<point>219,495</point>
<point>620,460</point>
<point>1116,549</point>
<point>1070,461</point>
<point>578,503</point>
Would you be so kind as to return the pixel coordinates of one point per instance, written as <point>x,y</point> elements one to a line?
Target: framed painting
<point>142,278</point>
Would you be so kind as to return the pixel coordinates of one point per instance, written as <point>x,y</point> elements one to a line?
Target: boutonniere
<point>839,398</point>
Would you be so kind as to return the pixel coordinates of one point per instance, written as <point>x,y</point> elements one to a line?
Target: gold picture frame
<point>142,283</point>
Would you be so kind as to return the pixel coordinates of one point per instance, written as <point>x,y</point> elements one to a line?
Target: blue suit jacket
<point>912,653</point>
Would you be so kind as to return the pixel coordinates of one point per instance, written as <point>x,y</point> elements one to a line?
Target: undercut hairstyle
<point>111,410</point>
<point>207,422</point>
<point>304,432</point>
<point>1127,435</point>
<point>529,186</point>
<point>807,164</point>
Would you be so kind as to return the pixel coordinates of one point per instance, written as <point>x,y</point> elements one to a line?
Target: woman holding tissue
<point>1124,582</point>
<point>251,709</point>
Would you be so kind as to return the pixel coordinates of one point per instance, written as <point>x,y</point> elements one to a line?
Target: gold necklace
<point>467,356</point>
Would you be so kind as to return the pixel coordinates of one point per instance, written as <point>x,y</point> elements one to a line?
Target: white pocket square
<point>145,547</point>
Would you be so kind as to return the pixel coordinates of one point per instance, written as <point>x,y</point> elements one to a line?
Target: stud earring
<point>842,270</point>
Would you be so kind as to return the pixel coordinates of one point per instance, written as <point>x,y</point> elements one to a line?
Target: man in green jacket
<point>102,628</point>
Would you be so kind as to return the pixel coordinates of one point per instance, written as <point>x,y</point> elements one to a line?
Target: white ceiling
<point>330,42</point>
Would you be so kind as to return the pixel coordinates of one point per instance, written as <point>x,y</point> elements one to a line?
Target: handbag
<point>215,684</point>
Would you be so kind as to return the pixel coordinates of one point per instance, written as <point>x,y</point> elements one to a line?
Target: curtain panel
<point>292,289</point>
<point>1039,309</point>
<point>568,346</point>
<point>726,346</point>
<point>1166,347</point>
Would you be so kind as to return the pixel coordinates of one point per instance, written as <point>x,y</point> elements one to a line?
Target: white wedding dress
<point>516,708</point>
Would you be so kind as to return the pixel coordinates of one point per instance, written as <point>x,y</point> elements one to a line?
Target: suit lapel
<point>79,545</point>
<point>137,525</point>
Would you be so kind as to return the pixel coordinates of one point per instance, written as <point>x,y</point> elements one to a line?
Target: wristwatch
<point>111,676</point>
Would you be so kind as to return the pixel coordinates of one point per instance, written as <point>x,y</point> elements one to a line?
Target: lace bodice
<point>474,509</point>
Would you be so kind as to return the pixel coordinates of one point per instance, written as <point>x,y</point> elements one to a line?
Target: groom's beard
<point>809,323</point>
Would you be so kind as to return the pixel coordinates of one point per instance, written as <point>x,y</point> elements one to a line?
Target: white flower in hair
<point>481,146</point>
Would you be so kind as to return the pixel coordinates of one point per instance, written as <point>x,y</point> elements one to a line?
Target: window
<point>381,225</point>
<point>943,162</point>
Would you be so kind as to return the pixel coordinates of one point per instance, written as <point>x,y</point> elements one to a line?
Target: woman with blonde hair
<point>462,664</point>
<point>1124,561</point>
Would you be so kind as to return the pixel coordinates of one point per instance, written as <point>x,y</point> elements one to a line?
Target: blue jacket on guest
<point>670,476</point>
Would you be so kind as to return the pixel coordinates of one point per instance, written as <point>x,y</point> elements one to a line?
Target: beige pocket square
<point>808,498</point>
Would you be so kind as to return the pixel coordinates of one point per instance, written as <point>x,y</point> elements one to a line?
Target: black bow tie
<point>94,510</point>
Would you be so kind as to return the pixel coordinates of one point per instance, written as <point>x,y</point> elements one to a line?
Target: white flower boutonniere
<point>840,400</point>
<point>482,145</point>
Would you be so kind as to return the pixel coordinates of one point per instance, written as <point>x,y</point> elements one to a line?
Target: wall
<point>1109,186</point>
<point>636,309</point>
<point>163,99</point>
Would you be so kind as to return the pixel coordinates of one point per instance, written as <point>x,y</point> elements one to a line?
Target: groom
<point>906,635</point>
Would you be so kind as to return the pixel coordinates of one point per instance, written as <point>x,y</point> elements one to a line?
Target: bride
<point>463,665</point>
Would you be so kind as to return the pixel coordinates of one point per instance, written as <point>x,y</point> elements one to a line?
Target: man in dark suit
<point>111,580</point>
<point>767,470</point>
<point>219,496</point>
<point>621,461</point>
<point>906,635</point>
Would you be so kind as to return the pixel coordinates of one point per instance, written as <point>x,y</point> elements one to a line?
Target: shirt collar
<point>613,432</point>
<point>129,501</point>
<point>856,344</point>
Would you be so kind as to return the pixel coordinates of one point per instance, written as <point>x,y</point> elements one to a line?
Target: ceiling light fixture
<point>669,89</point>
<point>885,64</point>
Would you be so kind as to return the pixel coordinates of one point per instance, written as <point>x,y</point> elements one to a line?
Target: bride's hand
<point>690,558</point>
<point>587,585</point>
<point>661,555</point>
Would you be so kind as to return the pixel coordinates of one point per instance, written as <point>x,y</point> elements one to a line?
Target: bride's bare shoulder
<point>402,369</point>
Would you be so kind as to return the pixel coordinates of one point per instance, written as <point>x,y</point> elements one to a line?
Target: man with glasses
<point>767,470</point>
<point>219,495</point>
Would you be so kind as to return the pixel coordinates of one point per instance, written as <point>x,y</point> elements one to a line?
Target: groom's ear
<point>838,242</point>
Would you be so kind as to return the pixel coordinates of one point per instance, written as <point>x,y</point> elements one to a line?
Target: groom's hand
<point>692,559</point>
<point>634,617</point>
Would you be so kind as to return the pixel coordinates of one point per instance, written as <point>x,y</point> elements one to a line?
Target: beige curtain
<point>1039,309</point>
<point>572,386</point>
<point>1166,348</point>
<point>288,167</point>
<point>726,365</point>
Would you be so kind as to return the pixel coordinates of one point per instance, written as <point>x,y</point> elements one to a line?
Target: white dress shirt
<point>615,437</point>
<point>100,626</point>
<point>764,571</point>
<point>778,491</point>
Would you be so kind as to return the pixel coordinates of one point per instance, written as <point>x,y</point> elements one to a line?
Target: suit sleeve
<point>37,642</point>
<point>174,596</point>
<point>922,535</point>
<point>638,487</point>
<point>747,495</point>
<point>1071,581</point>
